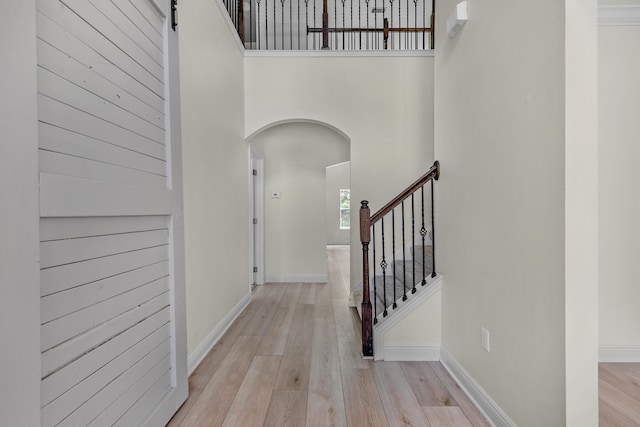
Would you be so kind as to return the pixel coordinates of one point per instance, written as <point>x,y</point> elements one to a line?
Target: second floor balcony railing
<point>333,24</point>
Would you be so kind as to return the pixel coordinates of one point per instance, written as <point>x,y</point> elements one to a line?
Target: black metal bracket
<point>174,8</point>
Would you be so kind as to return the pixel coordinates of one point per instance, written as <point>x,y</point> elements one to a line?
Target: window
<point>345,209</point>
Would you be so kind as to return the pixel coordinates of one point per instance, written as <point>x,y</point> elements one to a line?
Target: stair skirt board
<point>404,308</point>
<point>485,404</point>
<point>619,354</point>
<point>412,353</point>
<point>297,278</point>
<point>214,336</point>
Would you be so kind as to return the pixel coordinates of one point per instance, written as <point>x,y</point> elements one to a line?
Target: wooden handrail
<point>368,221</point>
<point>433,173</point>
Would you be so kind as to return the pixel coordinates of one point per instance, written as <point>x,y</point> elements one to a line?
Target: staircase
<point>406,280</point>
<point>399,260</point>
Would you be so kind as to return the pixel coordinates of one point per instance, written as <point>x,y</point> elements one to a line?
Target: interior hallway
<point>292,358</point>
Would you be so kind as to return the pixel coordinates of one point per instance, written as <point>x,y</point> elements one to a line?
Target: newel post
<point>325,25</point>
<point>367,320</point>
<point>241,20</point>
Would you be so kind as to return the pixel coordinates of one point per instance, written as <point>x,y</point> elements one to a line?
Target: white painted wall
<point>338,178</point>
<point>507,140</point>
<point>296,156</point>
<point>216,177</point>
<point>19,248</point>
<point>619,151</point>
<point>421,327</point>
<point>383,104</point>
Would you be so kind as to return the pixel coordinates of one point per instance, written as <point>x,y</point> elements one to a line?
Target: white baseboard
<point>214,336</point>
<point>297,278</point>
<point>404,308</point>
<point>619,353</point>
<point>478,396</point>
<point>619,15</point>
<point>412,353</point>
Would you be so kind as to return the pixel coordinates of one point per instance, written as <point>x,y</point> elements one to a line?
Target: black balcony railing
<point>333,24</point>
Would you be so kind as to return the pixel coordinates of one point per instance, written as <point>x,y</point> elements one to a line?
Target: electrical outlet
<point>485,339</point>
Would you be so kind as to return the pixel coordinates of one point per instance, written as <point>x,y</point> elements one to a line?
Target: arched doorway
<point>290,199</point>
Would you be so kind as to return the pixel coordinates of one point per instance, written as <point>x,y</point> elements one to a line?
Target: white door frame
<point>19,223</point>
<point>256,210</point>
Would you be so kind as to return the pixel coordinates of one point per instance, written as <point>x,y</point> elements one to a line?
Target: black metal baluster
<point>423,233</point>
<point>367,2</point>
<point>258,22</point>
<point>351,39</point>
<point>433,235</point>
<point>360,21</point>
<point>306,20</point>
<point>393,254</point>
<point>407,35</point>
<point>383,266</point>
<point>375,290</point>
<point>424,22</point>
<point>344,47</point>
<point>282,24</point>
<point>291,24</point>
<point>399,23</point>
<point>374,44</point>
<point>391,15</point>
<point>384,17</point>
<point>415,21</point>
<point>335,24</point>
<point>404,260</point>
<point>275,22</point>
<point>251,22</point>
<point>298,10</point>
<point>314,24</point>
<point>413,241</point>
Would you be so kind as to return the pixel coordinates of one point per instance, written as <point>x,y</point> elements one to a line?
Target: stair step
<point>399,273</point>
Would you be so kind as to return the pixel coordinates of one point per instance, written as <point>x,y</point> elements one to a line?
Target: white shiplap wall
<point>108,336</point>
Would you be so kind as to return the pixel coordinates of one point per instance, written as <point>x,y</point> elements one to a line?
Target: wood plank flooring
<point>619,392</point>
<point>292,358</point>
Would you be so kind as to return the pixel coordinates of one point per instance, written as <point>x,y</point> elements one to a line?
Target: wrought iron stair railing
<point>401,269</point>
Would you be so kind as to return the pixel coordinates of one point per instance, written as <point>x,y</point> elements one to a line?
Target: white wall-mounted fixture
<point>457,19</point>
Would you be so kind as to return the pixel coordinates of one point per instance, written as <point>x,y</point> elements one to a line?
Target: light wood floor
<point>292,358</point>
<point>619,392</point>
